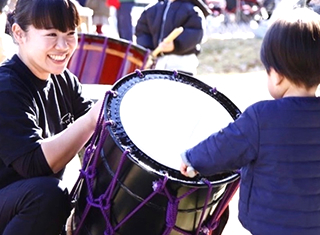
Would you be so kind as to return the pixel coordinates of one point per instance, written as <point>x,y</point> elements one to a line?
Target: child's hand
<point>183,169</point>
<point>187,171</point>
<point>166,46</point>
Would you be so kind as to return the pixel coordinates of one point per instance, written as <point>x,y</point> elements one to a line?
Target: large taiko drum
<point>130,181</point>
<point>102,60</point>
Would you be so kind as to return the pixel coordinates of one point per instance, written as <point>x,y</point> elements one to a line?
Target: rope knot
<point>108,231</point>
<point>88,154</point>
<point>91,172</point>
<point>205,230</point>
<point>157,186</point>
<point>213,225</point>
<point>103,202</point>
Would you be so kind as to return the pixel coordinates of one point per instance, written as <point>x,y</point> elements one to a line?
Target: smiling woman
<point>47,122</point>
<point>44,34</point>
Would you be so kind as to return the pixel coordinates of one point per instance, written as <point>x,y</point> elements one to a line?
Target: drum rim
<point>129,81</point>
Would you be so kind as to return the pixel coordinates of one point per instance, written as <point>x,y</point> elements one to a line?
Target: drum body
<point>137,187</point>
<point>102,60</point>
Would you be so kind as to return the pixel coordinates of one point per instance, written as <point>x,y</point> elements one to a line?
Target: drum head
<point>159,114</point>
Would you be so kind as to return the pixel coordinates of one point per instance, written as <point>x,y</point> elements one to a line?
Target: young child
<point>158,20</point>
<point>276,143</point>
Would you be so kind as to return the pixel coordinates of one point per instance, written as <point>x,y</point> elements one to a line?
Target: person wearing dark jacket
<point>275,143</point>
<point>124,19</point>
<point>158,20</point>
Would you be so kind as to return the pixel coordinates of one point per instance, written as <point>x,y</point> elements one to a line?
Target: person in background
<point>7,47</point>
<point>11,4</point>
<point>100,13</point>
<point>158,20</point>
<point>82,2</point>
<point>124,19</point>
<point>275,143</point>
<point>44,118</point>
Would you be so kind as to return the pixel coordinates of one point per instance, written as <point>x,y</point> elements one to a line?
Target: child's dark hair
<point>45,14</point>
<point>291,47</point>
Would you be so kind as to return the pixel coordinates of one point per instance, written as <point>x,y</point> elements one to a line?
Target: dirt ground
<point>230,56</point>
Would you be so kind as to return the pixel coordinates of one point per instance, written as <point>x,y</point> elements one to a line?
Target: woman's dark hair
<point>45,14</point>
<point>291,47</point>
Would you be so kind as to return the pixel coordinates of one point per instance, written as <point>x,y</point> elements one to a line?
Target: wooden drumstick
<point>173,35</point>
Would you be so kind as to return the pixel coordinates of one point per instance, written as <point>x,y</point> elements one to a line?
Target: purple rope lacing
<point>90,149</point>
<point>120,73</point>
<point>80,51</point>
<point>172,211</point>
<point>102,59</point>
<point>145,59</point>
<point>213,90</point>
<point>91,153</point>
<point>223,203</point>
<point>103,202</point>
<point>139,73</point>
